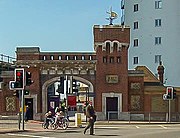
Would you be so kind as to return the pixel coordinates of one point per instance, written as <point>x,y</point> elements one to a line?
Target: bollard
<point>78,122</point>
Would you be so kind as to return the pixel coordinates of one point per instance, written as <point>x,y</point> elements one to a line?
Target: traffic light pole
<point>22,108</point>
<point>169,110</point>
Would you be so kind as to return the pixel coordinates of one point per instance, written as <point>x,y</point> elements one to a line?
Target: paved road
<point>101,131</point>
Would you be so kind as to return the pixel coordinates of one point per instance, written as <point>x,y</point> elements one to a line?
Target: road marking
<point>137,127</point>
<point>31,136</point>
<point>163,126</point>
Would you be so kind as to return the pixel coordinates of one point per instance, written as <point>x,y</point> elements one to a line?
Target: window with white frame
<point>135,7</point>
<point>136,42</point>
<point>158,4</point>
<point>157,22</point>
<point>135,25</point>
<point>158,40</point>
<point>135,60</point>
<point>157,58</point>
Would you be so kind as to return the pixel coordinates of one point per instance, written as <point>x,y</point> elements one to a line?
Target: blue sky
<point>53,25</point>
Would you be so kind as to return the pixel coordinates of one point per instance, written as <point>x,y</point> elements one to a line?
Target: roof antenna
<point>112,15</point>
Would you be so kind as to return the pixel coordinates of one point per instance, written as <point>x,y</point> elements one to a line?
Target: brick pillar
<point>161,72</point>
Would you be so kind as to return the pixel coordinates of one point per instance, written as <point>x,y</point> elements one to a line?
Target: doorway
<point>112,107</point>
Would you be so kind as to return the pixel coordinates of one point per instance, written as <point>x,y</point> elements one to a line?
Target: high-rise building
<point>154,37</point>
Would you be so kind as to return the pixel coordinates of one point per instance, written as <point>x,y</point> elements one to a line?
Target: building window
<point>60,57</point>
<point>44,57</point>
<point>157,22</point>
<point>111,60</point>
<point>157,40</point>
<point>135,7</point>
<point>67,57</point>
<point>157,58</point>
<point>118,59</point>
<point>136,43</point>
<point>158,4</point>
<point>104,59</point>
<point>52,57</point>
<point>135,25</point>
<point>135,60</point>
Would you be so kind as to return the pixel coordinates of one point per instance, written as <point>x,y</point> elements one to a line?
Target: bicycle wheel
<point>54,126</point>
<point>65,123</point>
<point>44,125</point>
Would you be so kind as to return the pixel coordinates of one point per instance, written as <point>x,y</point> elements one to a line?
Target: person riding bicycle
<point>59,114</point>
<point>48,118</point>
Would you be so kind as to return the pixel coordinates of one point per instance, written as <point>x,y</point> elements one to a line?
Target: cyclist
<point>48,118</point>
<point>59,114</point>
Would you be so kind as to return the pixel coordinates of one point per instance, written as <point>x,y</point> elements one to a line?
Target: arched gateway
<point>104,72</point>
<point>56,79</point>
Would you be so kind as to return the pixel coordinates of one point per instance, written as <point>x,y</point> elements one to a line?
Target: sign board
<point>165,97</point>
<point>112,78</point>
<point>11,85</point>
<point>72,100</point>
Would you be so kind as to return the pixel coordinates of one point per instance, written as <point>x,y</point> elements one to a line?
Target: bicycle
<point>63,123</point>
<point>48,124</point>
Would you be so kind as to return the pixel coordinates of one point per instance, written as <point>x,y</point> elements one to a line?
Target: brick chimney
<point>161,72</point>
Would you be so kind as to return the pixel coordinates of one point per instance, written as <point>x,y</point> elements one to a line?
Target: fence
<point>144,116</point>
<point>9,122</point>
<point>7,59</point>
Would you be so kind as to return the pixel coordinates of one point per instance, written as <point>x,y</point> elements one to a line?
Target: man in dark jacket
<point>90,113</point>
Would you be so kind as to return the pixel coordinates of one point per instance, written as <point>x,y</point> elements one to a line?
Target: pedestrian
<point>27,113</point>
<point>90,113</point>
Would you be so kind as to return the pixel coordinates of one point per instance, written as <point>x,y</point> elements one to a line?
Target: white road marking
<point>163,126</point>
<point>137,127</point>
<point>31,136</point>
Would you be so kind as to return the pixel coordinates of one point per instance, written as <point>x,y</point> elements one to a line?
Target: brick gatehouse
<point>110,85</point>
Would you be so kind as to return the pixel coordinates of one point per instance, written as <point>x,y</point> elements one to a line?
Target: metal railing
<point>7,59</point>
<point>145,116</point>
<point>111,112</point>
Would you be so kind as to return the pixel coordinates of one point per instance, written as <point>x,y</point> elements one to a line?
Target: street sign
<point>165,97</point>
<point>11,85</point>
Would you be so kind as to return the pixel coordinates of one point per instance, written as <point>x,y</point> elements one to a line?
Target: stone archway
<point>55,79</point>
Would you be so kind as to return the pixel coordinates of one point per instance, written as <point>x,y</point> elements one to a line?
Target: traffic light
<point>28,78</point>
<point>75,87</point>
<point>174,94</point>
<point>19,79</point>
<point>26,92</point>
<point>60,88</point>
<point>169,91</point>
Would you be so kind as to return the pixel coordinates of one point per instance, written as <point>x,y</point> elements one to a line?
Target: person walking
<point>90,113</point>
<point>27,113</point>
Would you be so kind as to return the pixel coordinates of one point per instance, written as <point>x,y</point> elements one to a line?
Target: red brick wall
<point>119,69</point>
<point>111,33</point>
<point>140,92</point>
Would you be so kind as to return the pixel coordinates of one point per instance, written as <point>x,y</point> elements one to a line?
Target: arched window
<point>115,44</point>
<point>67,57</point>
<point>107,44</point>
<point>52,57</point>
<point>44,57</point>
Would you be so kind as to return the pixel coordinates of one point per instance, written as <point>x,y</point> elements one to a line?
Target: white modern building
<point>155,35</point>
